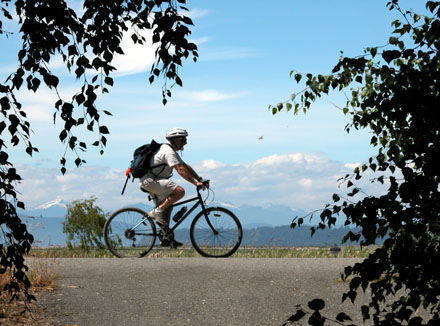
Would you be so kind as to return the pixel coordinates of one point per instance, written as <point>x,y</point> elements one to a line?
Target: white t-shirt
<point>166,155</point>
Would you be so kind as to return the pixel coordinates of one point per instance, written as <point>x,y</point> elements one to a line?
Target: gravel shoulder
<point>192,291</point>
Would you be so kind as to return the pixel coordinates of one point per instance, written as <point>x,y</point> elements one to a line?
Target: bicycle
<point>214,231</point>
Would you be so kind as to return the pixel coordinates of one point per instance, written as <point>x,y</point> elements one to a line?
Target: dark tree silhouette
<point>394,91</point>
<point>87,45</point>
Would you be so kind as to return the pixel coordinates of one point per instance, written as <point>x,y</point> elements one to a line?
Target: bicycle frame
<point>200,202</point>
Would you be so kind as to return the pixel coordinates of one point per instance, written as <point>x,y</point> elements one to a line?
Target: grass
<point>42,274</point>
<point>243,252</point>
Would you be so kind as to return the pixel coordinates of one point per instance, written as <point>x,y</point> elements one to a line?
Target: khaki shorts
<point>159,188</point>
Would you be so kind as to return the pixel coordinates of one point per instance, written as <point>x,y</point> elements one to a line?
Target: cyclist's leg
<point>172,198</point>
<point>166,193</point>
<point>166,206</point>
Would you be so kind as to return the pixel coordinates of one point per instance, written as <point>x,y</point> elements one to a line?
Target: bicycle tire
<point>229,233</point>
<point>124,242</point>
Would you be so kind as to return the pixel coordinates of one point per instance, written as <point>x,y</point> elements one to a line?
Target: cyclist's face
<point>180,143</point>
<point>183,142</point>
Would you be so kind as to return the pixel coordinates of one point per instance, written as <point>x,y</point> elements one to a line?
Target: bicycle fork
<point>207,215</point>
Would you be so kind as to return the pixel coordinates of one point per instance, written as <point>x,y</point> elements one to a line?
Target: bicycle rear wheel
<point>126,235</point>
<point>218,234</point>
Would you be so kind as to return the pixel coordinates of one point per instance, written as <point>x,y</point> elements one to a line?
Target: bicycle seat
<point>143,190</point>
<point>150,196</point>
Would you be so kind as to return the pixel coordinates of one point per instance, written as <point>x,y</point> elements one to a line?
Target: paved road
<point>191,291</point>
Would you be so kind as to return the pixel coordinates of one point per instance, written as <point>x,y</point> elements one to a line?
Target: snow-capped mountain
<point>56,202</point>
<point>54,208</point>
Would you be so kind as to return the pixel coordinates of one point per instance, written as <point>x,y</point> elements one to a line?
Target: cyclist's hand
<point>200,185</point>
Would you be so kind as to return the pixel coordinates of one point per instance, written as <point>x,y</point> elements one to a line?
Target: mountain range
<point>250,216</point>
<point>263,226</point>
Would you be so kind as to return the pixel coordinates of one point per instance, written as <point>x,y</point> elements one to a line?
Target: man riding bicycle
<point>157,182</point>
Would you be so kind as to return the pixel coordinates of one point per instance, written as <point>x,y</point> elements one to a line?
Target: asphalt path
<point>193,291</point>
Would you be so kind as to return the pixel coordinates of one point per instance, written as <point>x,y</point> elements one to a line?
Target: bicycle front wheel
<point>218,234</point>
<point>129,232</point>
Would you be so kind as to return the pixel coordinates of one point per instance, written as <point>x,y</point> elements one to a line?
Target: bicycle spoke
<point>219,237</point>
<point>125,236</point>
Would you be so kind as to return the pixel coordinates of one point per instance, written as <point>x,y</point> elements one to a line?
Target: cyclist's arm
<point>188,174</point>
<point>193,173</point>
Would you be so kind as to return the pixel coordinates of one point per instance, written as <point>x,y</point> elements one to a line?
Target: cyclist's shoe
<point>158,216</point>
<point>164,243</point>
<point>172,243</point>
<point>175,244</point>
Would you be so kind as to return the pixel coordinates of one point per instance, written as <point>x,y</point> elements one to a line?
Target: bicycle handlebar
<point>205,183</point>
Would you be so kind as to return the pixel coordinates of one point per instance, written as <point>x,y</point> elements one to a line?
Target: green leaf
<point>390,55</point>
<point>20,204</point>
<point>2,126</point>
<point>108,81</point>
<point>178,81</point>
<point>80,98</point>
<point>298,77</point>
<point>29,150</point>
<point>63,135</point>
<point>103,130</point>
<point>393,40</point>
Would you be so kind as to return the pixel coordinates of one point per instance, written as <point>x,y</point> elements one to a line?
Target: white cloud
<point>197,13</point>
<point>200,40</point>
<point>352,165</point>
<point>212,164</point>
<point>306,183</point>
<point>136,58</point>
<point>298,180</point>
<point>40,106</point>
<point>209,95</point>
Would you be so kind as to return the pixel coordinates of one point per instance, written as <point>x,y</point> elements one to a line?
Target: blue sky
<point>247,50</point>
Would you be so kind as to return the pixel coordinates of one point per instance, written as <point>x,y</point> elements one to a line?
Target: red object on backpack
<point>127,172</point>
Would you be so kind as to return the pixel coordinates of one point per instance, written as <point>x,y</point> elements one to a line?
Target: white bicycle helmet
<point>176,132</point>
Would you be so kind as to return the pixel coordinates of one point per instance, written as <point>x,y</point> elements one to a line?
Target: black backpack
<point>140,165</point>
